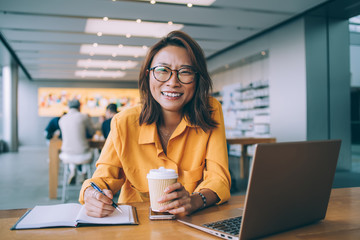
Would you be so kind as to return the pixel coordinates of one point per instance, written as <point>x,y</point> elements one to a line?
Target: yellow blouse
<point>131,150</point>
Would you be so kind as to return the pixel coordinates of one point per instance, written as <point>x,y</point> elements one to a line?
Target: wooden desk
<point>342,222</point>
<point>244,160</point>
<point>54,149</point>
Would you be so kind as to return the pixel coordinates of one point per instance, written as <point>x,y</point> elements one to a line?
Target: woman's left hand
<point>182,202</point>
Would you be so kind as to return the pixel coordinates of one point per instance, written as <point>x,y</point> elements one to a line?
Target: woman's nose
<point>174,79</point>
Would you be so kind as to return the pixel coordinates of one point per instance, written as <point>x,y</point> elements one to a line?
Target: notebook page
<point>115,218</point>
<point>50,216</point>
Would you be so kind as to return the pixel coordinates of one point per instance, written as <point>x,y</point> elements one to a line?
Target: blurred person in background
<point>111,110</point>
<point>53,128</point>
<point>76,129</point>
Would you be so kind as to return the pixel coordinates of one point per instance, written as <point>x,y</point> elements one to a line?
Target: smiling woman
<point>177,126</point>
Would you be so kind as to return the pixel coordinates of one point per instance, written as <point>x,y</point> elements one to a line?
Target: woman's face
<point>171,95</point>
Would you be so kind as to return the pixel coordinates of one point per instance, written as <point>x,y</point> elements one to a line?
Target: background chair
<point>84,159</point>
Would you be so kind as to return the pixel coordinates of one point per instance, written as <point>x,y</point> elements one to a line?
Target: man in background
<point>111,110</point>
<point>76,128</point>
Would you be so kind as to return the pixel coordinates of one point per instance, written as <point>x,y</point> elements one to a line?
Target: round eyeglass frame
<point>171,72</point>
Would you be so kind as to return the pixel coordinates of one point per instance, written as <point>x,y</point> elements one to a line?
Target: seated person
<point>76,129</point>
<point>177,126</point>
<point>111,110</point>
<point>53,127</point>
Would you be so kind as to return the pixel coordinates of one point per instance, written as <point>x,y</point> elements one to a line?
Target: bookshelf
<point>245,98</point>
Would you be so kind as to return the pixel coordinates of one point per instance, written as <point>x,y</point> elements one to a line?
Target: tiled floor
<point>24,180</point>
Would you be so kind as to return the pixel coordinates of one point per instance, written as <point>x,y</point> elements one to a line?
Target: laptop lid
<point>289,186</point>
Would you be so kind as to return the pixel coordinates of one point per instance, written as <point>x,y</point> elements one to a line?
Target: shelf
<point>253,98</point>
<point>243,102</point>
<point>251,88</point>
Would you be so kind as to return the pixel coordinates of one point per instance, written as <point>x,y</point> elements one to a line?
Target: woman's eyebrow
<point>168,65</point>
<point>188,66</point>
<point>163,64</point>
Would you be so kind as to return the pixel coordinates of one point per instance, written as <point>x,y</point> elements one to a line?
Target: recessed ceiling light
<point>99,34</point>
<point>98,74</point>
<point>128,35</point>
<point>109,50</point>
<point>95,44</point>
<point>189,5</point>
<point>170,22</point>
<point>152,1</point>
<point>138,20</point>
<point>105,19</point>
<point>106,64</point>
<point>124,27</point>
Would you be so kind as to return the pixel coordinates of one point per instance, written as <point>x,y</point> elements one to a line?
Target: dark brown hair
<point>197,111</point>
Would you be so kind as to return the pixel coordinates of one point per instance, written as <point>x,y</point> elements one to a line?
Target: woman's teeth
<point>171,94</point>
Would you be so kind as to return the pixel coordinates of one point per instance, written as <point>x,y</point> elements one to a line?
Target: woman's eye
<point>161,70</point>
<point>186,72</point>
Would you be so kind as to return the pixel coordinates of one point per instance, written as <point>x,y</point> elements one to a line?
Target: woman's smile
<point>172,95</point>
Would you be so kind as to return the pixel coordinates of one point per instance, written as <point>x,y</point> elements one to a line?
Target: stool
<point>84,159</point>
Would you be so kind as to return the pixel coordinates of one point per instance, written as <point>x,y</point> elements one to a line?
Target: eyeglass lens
<point>163,74</point>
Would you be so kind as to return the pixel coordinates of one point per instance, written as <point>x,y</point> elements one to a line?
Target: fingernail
<point>160,199</point>
<point>166,189</point>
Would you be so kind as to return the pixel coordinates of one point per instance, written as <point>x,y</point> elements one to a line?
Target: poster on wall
<point>54,101</point>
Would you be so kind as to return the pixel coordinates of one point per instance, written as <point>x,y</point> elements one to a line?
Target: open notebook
<point>72,215</point>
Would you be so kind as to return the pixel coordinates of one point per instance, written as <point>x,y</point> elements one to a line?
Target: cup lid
<point>162,173</point>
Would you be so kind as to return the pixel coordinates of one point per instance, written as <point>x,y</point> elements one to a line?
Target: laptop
<point>289,186</point>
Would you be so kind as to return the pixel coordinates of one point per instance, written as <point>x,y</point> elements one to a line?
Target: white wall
<point>286,74</point>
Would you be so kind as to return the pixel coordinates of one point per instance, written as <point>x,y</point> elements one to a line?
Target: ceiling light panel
<point>193,2</point>
<point>112,50</point>
<point>355,20</point>
<point>100,74</point>
<point>354,24</point>
<point>130,28</point>
<point>89,63</point>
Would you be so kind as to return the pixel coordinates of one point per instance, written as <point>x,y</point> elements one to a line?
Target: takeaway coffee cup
<point>158,180</point>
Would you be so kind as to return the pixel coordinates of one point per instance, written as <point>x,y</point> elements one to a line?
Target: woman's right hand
<point>96,204</point>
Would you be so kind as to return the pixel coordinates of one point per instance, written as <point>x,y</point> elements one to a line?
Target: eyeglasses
<point>185,75</point>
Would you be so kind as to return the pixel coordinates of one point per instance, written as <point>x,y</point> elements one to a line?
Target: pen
<point>99,190</point>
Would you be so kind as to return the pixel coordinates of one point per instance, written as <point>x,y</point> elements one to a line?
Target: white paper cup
<point>158,180</point>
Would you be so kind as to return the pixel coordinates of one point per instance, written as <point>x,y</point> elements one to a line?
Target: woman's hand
<point>96,204</point>
<point>182,202</point>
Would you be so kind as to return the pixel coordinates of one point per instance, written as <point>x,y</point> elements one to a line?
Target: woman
<point>177,126</point>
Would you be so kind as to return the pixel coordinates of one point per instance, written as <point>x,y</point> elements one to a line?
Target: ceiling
<point>47,35</point>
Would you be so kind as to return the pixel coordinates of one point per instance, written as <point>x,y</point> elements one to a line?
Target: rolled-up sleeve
<point>216,174</point>
<point>109,173</point>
